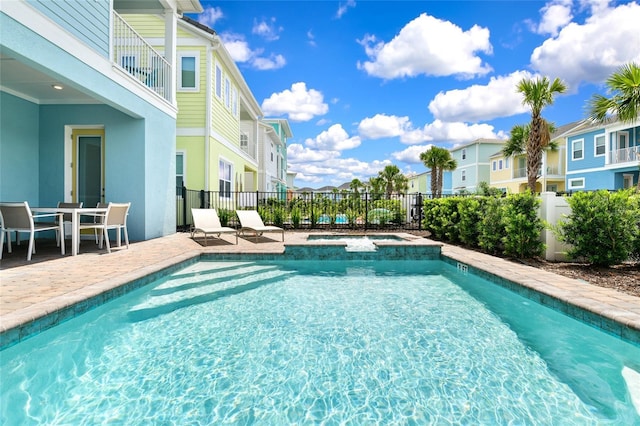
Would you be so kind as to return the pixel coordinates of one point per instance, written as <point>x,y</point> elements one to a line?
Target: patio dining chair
<point>17,217</point>
<point>114,218</point>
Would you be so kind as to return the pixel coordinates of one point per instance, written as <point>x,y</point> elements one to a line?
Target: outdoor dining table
<point>75,212</point>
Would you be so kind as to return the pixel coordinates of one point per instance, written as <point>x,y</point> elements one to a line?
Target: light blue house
<point>87,108</point>
<point>603,156</point>
<point>473,164</point>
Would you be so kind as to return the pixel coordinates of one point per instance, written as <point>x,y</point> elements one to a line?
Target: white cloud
<point>296,153</point>
<point>343,7</point>
<point>298,103</point>
<point>439,131</point>
<point>591,51</point>
<point>498,98</point>
<point>240,51</point>
<point>273,62</point>
<point>429,46</point>
<point>335,138</point>
<point>388,126</point>
<point>383,126</point>
<point>311,39</point>
<point>210,16</point>
<point>411,154</point>
<point>267,30</point>
<point>555,15</point>
<point>338,170</point>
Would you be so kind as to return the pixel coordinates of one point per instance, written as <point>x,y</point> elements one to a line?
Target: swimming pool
<point>281,342</point>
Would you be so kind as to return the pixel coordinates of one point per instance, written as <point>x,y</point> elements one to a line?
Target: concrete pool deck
<point>50,283</point>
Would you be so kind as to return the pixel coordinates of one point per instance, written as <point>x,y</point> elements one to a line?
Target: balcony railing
<point>625,155</point>
<point>134,55</point>
<point>522,171</point>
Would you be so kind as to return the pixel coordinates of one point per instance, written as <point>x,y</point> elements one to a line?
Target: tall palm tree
<point>517,142</point>
<point>376,185</point>
<point>538,93</point>
<point>437,160</point>
<point>393,180</point>
<point>356,185</point>
<point>624,86</point>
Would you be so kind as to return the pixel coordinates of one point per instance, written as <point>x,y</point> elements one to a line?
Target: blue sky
<point>369,83</point>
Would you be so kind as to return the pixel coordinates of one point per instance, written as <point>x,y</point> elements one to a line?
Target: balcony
<point>134,55</point>
<point>624,155</point>
<point>549,171</point>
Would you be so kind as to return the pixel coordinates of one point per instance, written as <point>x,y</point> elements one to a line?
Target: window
<point>188,75</point>
<point>464,154</point>
<point>224,178</point>
<point>552,187</point>
<point>464,175</point>
<point>244,141</point>
<point>218,81</point>
<point>234,102</point>
<point>599,145</point>
<point>577,149</point>
<point>227,93</point>
<point>272,153</point>
<point>494,166</point>
<point>506,163</point>
<point>576,183</point>
<point>179,173</point>
<point>499,164</point>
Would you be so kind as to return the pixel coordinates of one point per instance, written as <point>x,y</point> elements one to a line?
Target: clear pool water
<point>300,342</point>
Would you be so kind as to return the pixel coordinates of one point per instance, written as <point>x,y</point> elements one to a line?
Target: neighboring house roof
<point>152,6</point>
<point>199,25</point>
<point>284,123</point>
<point>477,142</point>
<point>200,29</point>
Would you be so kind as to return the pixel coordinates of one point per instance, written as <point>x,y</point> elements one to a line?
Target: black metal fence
<point>309,210</point>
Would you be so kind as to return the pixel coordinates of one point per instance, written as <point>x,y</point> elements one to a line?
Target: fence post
<point>184,205</point>
<point>366,210</point>
<point>312,216</point>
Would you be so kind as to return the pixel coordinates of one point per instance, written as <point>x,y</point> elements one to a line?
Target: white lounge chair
<point>208,222</point>
<point>251,221</point>
<point>19,218</point>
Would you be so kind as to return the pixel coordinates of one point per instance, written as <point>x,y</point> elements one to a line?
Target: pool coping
<point>609,310</point>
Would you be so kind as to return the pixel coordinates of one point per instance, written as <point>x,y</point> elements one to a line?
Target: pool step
<point>181,293</point>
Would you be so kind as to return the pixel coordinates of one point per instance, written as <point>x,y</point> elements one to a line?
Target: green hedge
<point>509,226</point>
<point>603,227</point>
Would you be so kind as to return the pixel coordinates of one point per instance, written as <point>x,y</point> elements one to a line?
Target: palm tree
<point>538,93</point>
<point>624,86</point>
<point>437,160</point>
<point>393,180</point>
<point>517,142</point>
<point>356,185</point>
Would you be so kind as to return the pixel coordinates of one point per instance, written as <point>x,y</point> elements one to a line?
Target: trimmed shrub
<point>469,213</point>
<point>491,227</point>
<point>522,226</point>
<point>602,228</point>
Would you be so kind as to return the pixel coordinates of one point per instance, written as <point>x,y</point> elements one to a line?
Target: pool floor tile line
<point>52,283</point>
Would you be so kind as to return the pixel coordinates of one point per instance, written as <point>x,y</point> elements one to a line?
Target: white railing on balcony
<point>522,171</point>
<point>625,155</point>
<point>134,55</point>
